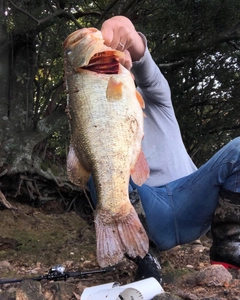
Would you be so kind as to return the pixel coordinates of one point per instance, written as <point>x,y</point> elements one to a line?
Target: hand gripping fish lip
<point>81,46</point>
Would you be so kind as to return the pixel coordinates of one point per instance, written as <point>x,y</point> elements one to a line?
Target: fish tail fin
<point>120,236</point>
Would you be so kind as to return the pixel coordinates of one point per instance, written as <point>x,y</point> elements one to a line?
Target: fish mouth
<point>104,63</point>
<point>85,49</point>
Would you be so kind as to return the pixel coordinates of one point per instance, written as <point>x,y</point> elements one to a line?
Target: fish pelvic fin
<point>120,236</point>
<point>141,171</point>
<point>77,174</point>
<point>114,90</point>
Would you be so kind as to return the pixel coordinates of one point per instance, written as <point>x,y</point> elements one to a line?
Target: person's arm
<point>149,79</point>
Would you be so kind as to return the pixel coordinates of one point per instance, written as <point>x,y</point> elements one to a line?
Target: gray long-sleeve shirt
<point>162,144</point>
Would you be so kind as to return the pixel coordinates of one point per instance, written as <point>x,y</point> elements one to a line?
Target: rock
<point>5,264</point>
<point>187,295</point>
<point>215,275</point>
<point>60,290</point>
<point>29,290</point>
<point>197,246</point>
<point>190,266</point>
<point>166,296</point>
<point>8,295</point>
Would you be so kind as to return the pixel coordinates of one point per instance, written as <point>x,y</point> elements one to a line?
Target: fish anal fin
<point>77,174</point>
<point>120,236</point>
<point>140,171</point>
<point>114,90</point>
<point>140,99</point>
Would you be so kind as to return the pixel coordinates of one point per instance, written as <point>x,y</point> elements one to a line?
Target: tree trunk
<point>18,134</point>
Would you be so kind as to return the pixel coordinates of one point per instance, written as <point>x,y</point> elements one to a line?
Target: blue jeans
<point>181,211</point>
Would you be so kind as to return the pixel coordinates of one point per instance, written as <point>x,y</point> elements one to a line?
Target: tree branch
<point>234,45</point>
<point>55,13</point>
<point>4,202</point>
<point>172,65</point>
<point>110,6</point>
<point>226,128</point>
<point>226,36</point>
<point>23,11</point>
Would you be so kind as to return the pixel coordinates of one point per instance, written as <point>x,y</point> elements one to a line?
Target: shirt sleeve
<point>150,81</point>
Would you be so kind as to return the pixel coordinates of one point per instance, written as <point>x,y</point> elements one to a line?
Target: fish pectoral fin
<point>114,90</point>
<point>77,174</point>
<point>122,235</point>
<point>141,171</point>
<point>140,99</point>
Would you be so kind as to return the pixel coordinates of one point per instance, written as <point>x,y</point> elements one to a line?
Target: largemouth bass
<point>106,123</point>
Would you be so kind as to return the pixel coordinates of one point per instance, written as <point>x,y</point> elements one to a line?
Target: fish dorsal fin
<point>140,171</point>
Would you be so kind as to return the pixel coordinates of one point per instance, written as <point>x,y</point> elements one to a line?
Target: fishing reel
<point>56,271</point>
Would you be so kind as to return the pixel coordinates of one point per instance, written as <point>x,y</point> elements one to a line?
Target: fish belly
<point>106,131</point>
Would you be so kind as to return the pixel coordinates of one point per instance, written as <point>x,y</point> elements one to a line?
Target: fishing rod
<point>58,273</point>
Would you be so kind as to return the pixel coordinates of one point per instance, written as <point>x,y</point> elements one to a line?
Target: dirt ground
<point>34,239</point>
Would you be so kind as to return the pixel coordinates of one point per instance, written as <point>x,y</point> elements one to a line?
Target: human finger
<point>107,34</point>
<point>126,61</point>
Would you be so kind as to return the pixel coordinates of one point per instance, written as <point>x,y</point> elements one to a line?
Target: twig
<point>5,203</point>
<point>3,172</point>
<point>70,205</point>
<point>89,201</point>
<point>19,188</point>
<point>37,189</point>
<point>46,199</point>
<point>30,190</point>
